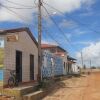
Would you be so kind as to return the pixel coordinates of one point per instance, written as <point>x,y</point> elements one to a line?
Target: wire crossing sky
<point>74,25</point>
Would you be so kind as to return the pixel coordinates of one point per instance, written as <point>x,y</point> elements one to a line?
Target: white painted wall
<point>75,68</point>
<point>27,46</point>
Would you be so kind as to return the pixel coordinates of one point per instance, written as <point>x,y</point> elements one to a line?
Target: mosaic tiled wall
<point>52,65</point>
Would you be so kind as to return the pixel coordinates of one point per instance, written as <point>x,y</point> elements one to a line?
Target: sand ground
<point>84,88</point>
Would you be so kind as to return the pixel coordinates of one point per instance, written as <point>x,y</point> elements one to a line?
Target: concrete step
<point>34,96</point>
<point>18,92</point>
<point>6,98</point>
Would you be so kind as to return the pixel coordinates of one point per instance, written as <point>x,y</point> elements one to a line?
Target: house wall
<point>75,68</point>
<point>64,58</point>
<point>65,71</point>
<point>52,50</point>
<point>50,69</point>
<point>70,69</point>
<point>26,45</point>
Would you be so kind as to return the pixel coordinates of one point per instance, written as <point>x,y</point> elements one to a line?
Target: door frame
<point>19,75</point>
<point>31,67</point>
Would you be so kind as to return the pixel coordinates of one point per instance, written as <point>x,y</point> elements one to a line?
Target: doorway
<point>31,67</point>
<point>19,65</point>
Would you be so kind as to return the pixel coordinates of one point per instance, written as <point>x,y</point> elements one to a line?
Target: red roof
<point>60,54</point>
<point>47,46</point>
<point>44,46</point>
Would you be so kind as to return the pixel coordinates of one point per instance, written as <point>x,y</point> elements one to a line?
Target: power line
<point>22,18</point>
<point>48,33</point>
<point>19,16</point>
<point>82,59</point>
<point>15,3</point>
<point>25,19</point>
<point>17,7</point>
<point>55,23</point>
<point>85,25</point>
<point>66,38</point>
<point>60,30</point>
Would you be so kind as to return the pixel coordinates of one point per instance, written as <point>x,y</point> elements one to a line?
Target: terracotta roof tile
<point>48,45</point>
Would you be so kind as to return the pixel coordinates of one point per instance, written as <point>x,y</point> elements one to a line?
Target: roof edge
<point>53,45</point>
<point>20,30</point>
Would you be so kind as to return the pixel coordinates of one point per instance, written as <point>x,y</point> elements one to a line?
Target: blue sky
<point>81,24</point>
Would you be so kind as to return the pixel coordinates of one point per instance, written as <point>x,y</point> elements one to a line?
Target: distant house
<point>53,48</point>
<point>20,54</point>
<point>71,65</point>
<point>57,50</point>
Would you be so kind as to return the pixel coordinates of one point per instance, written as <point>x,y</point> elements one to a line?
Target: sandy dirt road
<point>83,88</point>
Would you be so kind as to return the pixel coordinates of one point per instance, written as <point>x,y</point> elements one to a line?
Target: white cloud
<point>92,52</point>
<point>69,5</point>
<point>11,14</point>
<point>66,6</point>
<point>83,43</point>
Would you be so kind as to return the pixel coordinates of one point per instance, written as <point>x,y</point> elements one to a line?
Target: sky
<point>79,23</point>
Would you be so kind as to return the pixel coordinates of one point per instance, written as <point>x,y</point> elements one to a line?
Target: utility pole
<point>82,59</point>
<point>39,39</point>
<point>90,63</point>
<point>90,66</point>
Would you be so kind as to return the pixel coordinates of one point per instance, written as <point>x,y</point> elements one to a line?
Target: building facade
<point>20,54</point>
<point>58,51</point>
<point>71,65</point>
<point>52,65</point>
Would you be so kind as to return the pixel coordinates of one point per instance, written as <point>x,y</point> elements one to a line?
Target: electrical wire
<point>70,44</point>
<point>48,33</point>
<point>66,38</point>
<point>77,21</point>
<point>47,37</point>
<point>17,7</point>
<point>20,17</point>
<point>15,3</point>
<point>55,23</point>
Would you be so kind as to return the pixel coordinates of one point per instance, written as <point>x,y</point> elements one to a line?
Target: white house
<point>20,54</point>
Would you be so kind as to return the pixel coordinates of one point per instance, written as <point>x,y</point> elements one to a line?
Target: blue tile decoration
<point>52,65</point>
